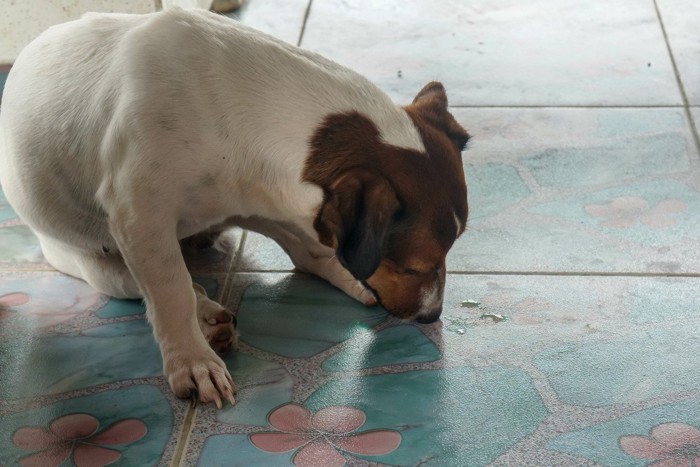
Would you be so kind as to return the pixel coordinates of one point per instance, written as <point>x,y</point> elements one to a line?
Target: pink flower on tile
<point>75,436</point>
<point>668,444</point>
<point>11,300</point>
<point>322,435</point>
<point>626,211</point>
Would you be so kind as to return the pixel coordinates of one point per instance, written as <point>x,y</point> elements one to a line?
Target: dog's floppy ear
<point>431,102</point>
<point>357,213</point>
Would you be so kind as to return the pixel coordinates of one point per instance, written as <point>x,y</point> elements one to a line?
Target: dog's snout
<point>429,317</point>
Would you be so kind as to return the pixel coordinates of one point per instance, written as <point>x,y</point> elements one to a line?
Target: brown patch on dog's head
<point>393,213</point>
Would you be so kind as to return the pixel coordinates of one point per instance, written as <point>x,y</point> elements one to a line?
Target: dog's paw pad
<point>203,379</point>
<point>219,329</point>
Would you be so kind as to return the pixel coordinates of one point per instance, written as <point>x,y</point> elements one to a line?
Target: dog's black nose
<point>430,317</point>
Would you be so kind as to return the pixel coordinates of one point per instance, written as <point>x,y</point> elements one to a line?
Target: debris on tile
<point>470,303</point>
<point>495,316</point>
<point>399,74</point>
<point>458,324</point>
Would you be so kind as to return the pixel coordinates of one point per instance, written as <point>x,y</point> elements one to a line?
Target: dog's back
<point>195,84</point>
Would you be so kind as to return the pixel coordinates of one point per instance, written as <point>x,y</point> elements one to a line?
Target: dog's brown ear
<point>432,95</point>
<point>431,103</point>
<point>357,214</point>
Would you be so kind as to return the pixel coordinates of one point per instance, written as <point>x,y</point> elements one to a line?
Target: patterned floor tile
<point>542,369</point>
<point>81,376</point>
<point>19,247</point>
<point>680,20</point>
<point>4,70</point>
<point>502,52</point>
<point>131,425</point>
<point>665,434</point>
<point>263,254</point>
<point>526,366</point>
<point>580,190</point>
<point>66,337</point>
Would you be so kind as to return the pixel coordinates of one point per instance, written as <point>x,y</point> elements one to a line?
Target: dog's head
<point>393,213</point>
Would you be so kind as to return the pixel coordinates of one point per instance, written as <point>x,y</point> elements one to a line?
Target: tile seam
<point>679,81</point>
<point>576,273</point>
<point>303,24</point>
<point>563,106</point>
<point>519,273</point>
<point>232,270</point>
<point>184,436</point>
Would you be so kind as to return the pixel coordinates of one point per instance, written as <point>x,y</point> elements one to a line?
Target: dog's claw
<point>230,398</point>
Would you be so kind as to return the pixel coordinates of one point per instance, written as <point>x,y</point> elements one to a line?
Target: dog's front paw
<point>200,374</point>
<point>363,294</point>
<point>219,329</point>
<point>218,325</point>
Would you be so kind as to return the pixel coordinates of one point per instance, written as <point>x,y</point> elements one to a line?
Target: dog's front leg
<point>151,250</point>
<point>329,268</point>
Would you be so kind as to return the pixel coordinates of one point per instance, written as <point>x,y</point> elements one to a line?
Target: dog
<point>122,135</point>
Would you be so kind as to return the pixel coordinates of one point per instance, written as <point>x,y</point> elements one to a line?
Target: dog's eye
<point>411,272</point>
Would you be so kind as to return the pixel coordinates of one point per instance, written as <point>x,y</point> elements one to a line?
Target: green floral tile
<point>546,312</point>
<point>680,19</point>
<point>658,362</point>
<point>37,302</point>
<point>61,336</point>
<point>60,363</point>
<point>492,188</point>
<point>661,299</point>
<point>448,417</point>
<point>18,245</point>
<point>667,434</point>
<point>120,427</point>
<point>395,345</point>
<point>4,70</point>
<point>593,190</point>
<point>660,213</point>
<point>218,451</point>
<point>502,52</point>
<point>612,161</point>
<point>262,386</point>
<point>116,308</point>
<point>300,316</point>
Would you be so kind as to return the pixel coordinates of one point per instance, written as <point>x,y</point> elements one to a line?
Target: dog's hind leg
<point>105,272</point>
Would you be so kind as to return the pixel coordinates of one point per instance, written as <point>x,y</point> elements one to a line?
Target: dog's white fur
<point>121,134</point>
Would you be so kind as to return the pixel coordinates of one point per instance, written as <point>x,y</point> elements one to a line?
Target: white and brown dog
<point>121,135</point>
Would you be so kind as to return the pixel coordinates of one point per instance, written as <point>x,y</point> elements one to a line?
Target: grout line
<point>303,24</point>
<point>573,106</point>
<point>679,81</point>
<point>266,271</point>
<point>575,273</point>
<point>184,438</point>
<point>232,269</point>
<point>526,273</point>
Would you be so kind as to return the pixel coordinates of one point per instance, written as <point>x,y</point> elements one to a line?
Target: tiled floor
<point>584,179</point>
